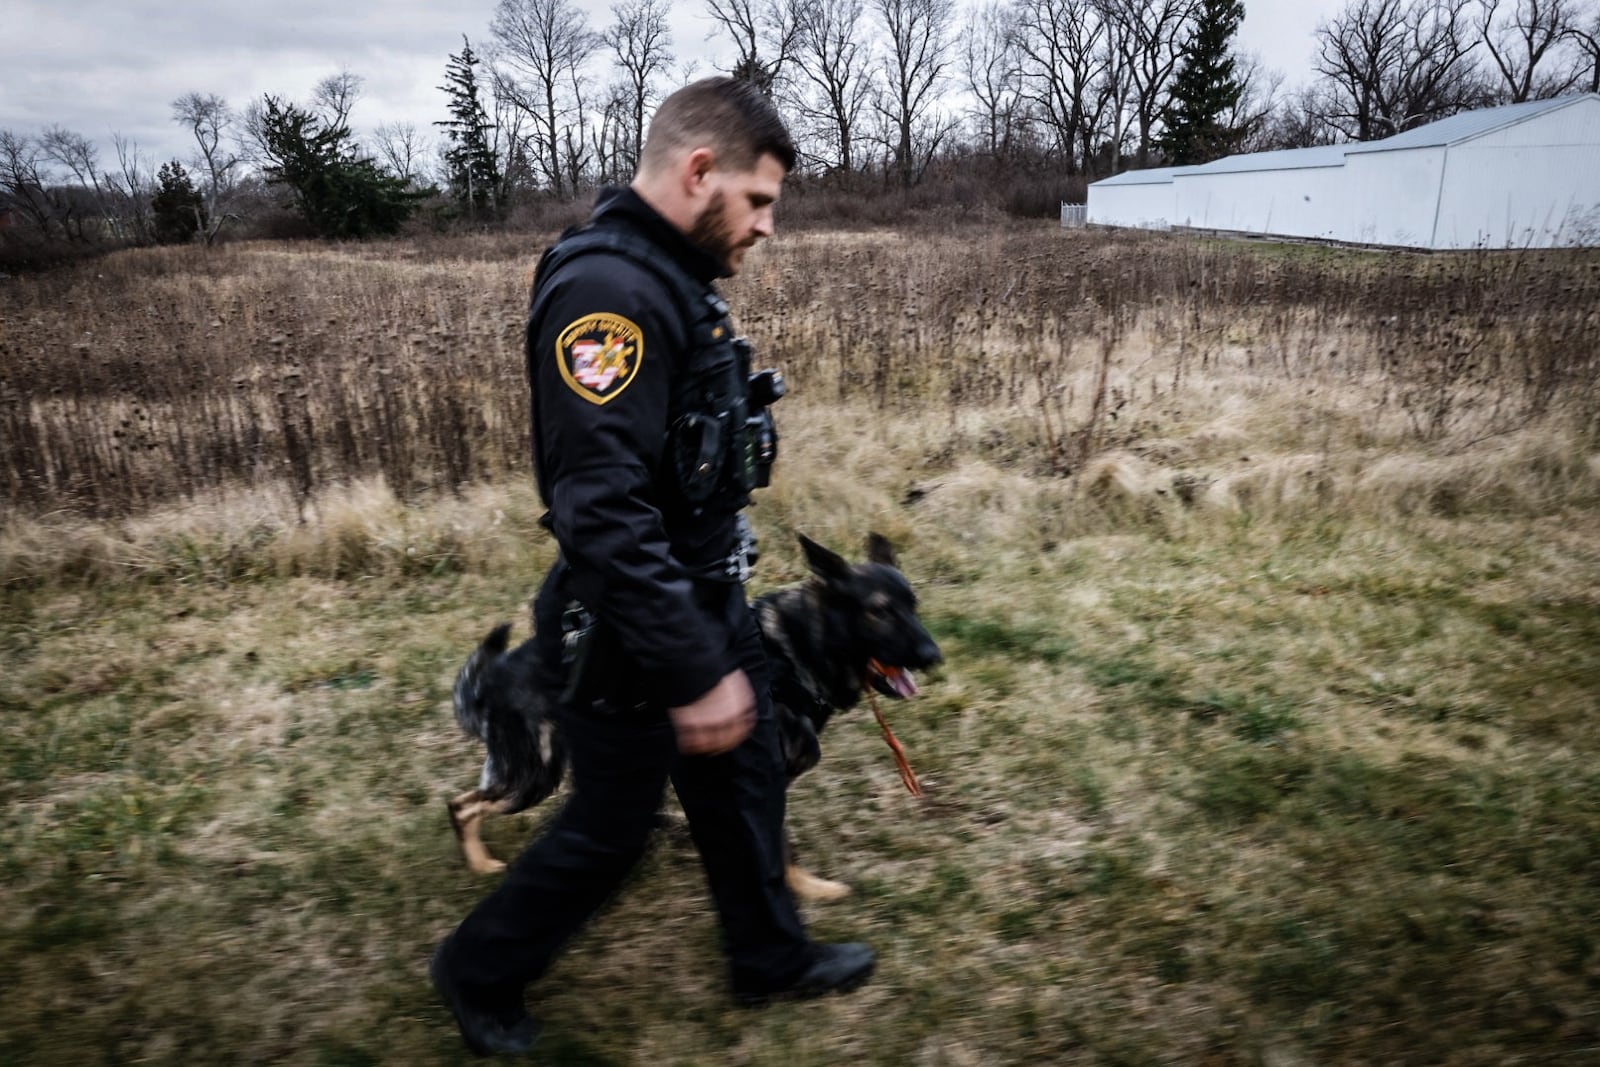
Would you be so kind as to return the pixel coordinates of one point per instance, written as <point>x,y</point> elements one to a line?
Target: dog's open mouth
<point>891,681</point>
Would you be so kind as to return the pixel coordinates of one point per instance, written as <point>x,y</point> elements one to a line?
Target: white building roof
<point>1453,130</point>
<point>1465,126</point>
<point>1284,159</point>
<point>1148,176</point>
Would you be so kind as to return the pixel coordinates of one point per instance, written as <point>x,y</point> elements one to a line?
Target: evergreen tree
<point>1205,90</point>
<point>752,69</point>
<point>470,163</point>
<point>338,191</point>
<point>177,206</point>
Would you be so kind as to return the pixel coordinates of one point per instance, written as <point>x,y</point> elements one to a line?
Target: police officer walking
<point>646,445</point>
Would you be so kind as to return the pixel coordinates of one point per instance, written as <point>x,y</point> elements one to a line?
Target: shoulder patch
<point>599,355</point>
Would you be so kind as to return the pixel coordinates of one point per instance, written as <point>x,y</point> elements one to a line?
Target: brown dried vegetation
<point>159,376</point>
<point>1266,579</point>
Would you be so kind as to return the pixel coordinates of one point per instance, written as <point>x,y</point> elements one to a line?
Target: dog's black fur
<point>848,626</point>
<point>498,701</point>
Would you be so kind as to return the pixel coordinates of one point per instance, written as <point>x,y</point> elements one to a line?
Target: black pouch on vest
<point>698,456</point>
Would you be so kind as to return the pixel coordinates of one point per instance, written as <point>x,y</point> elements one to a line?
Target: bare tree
<point>131,186</point>
<point>401,147</point>
<point>25,182</point>
<point>991,67</point>
<point>1442,76</point>
<point>249,133</point>
<point>335,96</point>
<point>1391,64</point>
<point>1065,70</point>
<point>75,152</point>
<point>541,49</point>
<point>764,32</point>
<point>1585,34</point>
<point>575,156</point>
<point>1358,52</point>
<point>612,140</point>
<point>95,201</point>
<point>1149,37</point>
<point>641,45</point>
<point>509,142</point>
<point>1299,121</point>
<point>208,117</point>
<point>1525,45</point>
<point>742,21</point>
<point>915,65</point>
<point>835,79</point>
<point>1117,97</point>
<point>1259,90</point>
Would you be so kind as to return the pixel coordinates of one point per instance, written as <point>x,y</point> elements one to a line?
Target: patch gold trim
<point>599,356</point>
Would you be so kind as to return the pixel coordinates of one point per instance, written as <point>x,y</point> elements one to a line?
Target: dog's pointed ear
<point>879,550</point>
<point>829,566</point>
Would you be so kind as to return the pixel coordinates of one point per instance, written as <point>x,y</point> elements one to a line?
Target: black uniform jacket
<point>606,342</point>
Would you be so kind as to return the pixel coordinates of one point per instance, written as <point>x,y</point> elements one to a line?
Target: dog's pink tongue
<point>900,681</point>
<point>899,678</point>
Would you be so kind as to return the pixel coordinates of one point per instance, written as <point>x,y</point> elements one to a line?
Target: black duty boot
<point>487,1028</point>
<point>833,969</point>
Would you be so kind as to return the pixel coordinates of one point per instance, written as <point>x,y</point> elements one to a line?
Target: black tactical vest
<point>709,455</point>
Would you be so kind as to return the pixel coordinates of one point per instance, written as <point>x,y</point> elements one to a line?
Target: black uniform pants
<point>618,767</point>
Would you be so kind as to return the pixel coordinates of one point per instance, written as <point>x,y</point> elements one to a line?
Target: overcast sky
<point>101,66</point>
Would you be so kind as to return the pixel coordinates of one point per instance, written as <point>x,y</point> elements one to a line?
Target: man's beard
<point>711,230</point>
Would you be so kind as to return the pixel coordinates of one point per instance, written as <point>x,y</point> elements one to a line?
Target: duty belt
<point>736,566</point>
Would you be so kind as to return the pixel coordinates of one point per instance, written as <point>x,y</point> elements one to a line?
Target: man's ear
<point>697,168</point>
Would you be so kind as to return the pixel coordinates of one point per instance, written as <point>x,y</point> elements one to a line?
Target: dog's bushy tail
<point>472,715</point>
<point>500,700</point>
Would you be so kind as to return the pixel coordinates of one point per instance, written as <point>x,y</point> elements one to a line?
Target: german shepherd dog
<point>846,627</point>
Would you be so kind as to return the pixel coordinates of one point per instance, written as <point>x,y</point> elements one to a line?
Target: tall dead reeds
<point>161,375</point>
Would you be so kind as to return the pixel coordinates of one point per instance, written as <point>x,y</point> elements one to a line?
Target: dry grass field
<point>1268,580</point>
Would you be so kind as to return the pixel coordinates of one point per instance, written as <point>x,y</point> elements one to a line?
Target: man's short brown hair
<point>730,116</point>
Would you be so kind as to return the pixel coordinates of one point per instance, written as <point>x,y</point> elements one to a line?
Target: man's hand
<point>717,721</point>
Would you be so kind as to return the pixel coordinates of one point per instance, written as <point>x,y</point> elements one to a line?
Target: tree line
<point>884,96</point>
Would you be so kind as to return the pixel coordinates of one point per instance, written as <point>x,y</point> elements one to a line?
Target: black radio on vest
<point>766,389</point>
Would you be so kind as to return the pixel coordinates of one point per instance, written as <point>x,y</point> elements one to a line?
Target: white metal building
<point>1142,198</point>
<point>1522,176</point>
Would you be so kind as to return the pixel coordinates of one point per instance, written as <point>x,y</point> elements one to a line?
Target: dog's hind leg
<point>807,886</point>
<point>466,819</point>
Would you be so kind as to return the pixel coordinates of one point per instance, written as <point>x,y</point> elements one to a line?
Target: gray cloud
<point>100,66</point>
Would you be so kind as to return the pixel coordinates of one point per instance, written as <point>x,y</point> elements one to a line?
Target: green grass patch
<point>1266,734</point>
